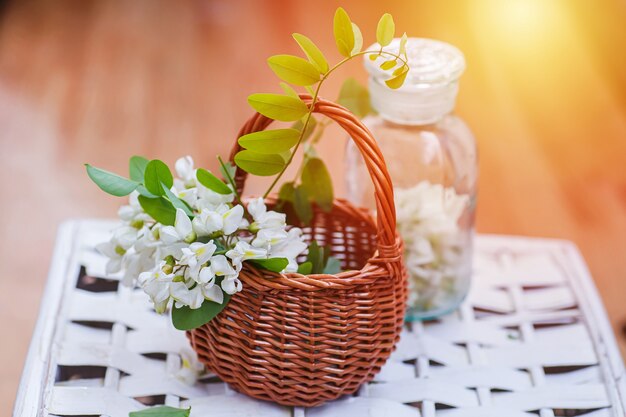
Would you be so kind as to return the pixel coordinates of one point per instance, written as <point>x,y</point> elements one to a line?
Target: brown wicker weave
<point>304,340</point>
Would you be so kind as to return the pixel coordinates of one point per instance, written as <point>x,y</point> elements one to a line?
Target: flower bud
<point>191,237</point>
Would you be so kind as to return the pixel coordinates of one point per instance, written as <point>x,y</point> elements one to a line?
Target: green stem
<point>312,106</point>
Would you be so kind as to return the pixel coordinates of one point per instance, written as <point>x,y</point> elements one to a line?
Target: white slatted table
<point>531,340</point>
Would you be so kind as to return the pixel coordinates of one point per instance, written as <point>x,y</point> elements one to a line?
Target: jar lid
<point>430,88</point>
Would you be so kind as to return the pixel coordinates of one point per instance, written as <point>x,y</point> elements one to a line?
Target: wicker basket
<point>303,340</point>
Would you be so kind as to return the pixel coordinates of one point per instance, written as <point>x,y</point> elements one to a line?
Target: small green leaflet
<point>402,50</point>
<point>387,65</point>
<point>289,90</point>
<point>312,52</point>
<point>301,205</point>
<point>294,70</point>
<point>259,164</point>
<point>227,169</point>
<point>137,167</point>
<point>358,39</point>
<point>185,318</point>
<point>344,35</point>
<point>177,202</point>
<point>385,30</point>
<point>305,268</point>
<point>161,411</point>
<point>271,264</point>
<point>278,106</point>
<point>157,173</point>
<point>270,141</point>
<point>211,182</point>
<point>355,98</point>
<point>286,192</point>
<point>111,183</point>
<point>320,261</point>
<point>310,127</point>
<point>318,184</point>
<point>160,209</point>
<point>398,79</point>
<point>333,266</point>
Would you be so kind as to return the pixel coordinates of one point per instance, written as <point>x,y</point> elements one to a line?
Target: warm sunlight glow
<point>521,23</point>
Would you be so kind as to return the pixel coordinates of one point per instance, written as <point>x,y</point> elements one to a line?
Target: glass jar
<point>432,159</point>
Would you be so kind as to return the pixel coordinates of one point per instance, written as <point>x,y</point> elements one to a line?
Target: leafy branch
<point>270,152</point>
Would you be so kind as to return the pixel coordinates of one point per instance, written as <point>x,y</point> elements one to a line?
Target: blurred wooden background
<point>98,81</point>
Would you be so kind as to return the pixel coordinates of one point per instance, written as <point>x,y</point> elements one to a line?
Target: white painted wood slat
<point>531,339</point>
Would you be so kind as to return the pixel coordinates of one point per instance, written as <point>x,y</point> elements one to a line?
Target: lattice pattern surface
<point>532,339</point>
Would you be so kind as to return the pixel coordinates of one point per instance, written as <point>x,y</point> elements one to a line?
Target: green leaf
<point>160,209</point>
<point>185,318</point>
<point>177,202</point>
<point>398,80</point>
<point>312,52</point>
<point>310,128</point>
<point>287,191</point>
<point>316,257</point>
<point>293,69</point>
<point>344,34</point>
<point>272,264</point>
<point>278,106</point>
<point>402,50</point>
<point>111,183</point>
<point>161,411</point>
<point>318,184</point>
<point>387,65</point>
<point>137,168</point>
<point>358,39</point>
<point>305,268</point>
<point>355,98</point>
<point>333,265</point>
<point>211,182</point>
<point>259,164</point>
<point>302,206</point>
<point>227,169</point>
<point>157,173</point>
<point>385,30</point>
<point>270,141</point>
<point>142,190</point>
<point>289,90</point>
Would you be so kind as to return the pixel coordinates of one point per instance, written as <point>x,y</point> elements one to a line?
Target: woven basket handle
<point>383,189</point>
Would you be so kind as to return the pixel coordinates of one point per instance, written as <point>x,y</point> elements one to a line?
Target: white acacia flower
<point>231,284</point>
<point>221,219</point>
<point>123,239</point>
<point>243,251</point>
<point>208,198</point>
<point>134,264</point>
<point>133,212</point>
<point>186,172</point>
<point>266,238</point>
<point>181,231</point>
<point>196,255</point>
<point>264,219</point>
<point>195,296</point>
<point>190,367</point>
<point>220,266</point>
<point>206,276</point>
<point>289,248</point>
<point>157,284</point>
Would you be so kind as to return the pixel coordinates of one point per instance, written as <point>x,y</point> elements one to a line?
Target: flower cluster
<point>428,220</point>
<point>200,256</point>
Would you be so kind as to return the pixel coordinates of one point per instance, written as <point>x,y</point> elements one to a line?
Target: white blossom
<point>264,219</point>
<point>181,264</point>
<point>195,256</point>
<point>243,251</point>
<point>181,231</point>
